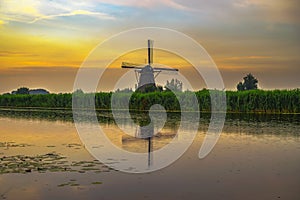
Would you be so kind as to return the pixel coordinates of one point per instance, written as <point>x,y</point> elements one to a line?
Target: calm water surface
<point>256,157</point>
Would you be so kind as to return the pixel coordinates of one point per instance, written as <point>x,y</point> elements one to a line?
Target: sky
<point>43,43</point>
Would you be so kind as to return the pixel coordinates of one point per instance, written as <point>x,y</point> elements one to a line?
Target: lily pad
<point>97,183</point>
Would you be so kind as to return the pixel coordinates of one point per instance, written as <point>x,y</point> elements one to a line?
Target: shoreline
<point>38,109</point>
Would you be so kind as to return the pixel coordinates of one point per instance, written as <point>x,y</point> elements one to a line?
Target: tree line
<point>272,101</point>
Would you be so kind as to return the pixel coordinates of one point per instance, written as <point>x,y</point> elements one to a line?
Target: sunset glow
<point>43,41</point>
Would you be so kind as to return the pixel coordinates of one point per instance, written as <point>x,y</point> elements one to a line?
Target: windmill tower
<point>147,133</point>
<point>146,75</point>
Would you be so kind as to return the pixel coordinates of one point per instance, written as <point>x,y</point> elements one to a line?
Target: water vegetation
<point>50,162</point>
<point>247,101</point>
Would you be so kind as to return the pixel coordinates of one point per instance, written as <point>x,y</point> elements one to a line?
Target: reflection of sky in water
<point>254,158</point>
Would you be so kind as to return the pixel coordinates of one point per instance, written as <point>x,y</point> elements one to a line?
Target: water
<point>256,157</point>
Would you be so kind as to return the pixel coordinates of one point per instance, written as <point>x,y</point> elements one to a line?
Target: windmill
<point>146,75</point>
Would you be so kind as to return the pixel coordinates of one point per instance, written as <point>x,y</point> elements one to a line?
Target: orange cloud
<point>247,57</point>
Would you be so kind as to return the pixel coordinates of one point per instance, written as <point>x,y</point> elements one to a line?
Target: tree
<point>23,90</point>
<point>240,86</point>
<point>78,91</point>
<point>250,83</point>
<point>174,85</point>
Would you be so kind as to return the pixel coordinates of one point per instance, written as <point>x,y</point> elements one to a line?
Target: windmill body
<point>146,78</point>
<point>146,75</point>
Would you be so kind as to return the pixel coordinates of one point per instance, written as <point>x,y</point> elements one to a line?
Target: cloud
<point>270,11</point>
<point>31,11</point>
<point>248,57</point>
<point>279,11</point>
<point>11,53</point>
<point>256,61</point>
<point>73,13</point>
<point>178,6</point>
<point>20,11</point>
<point>146,3</point>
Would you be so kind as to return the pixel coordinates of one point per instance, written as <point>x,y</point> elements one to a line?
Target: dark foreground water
<point>256,157</point>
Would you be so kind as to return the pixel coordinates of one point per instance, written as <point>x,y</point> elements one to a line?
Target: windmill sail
<point>164,69</point>
<point>150,52</point>
<point>131,65</point>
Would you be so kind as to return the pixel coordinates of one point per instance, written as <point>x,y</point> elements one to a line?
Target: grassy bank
<point>260,101</point>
